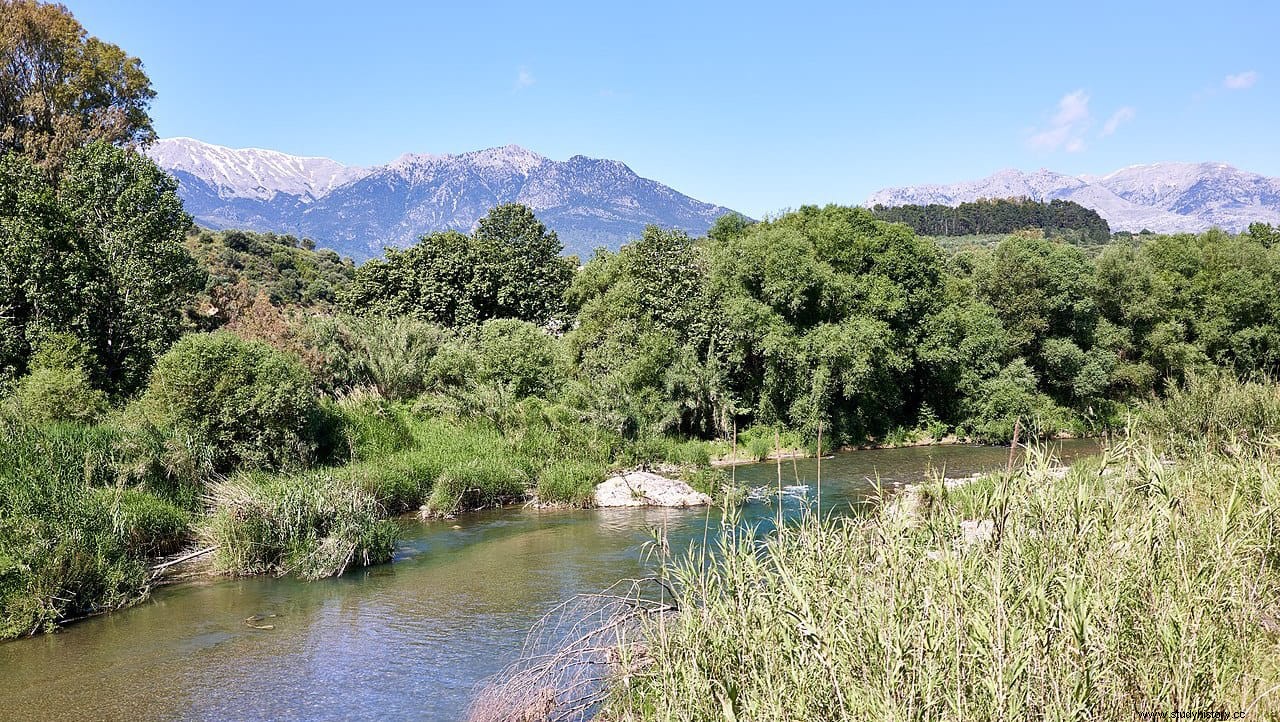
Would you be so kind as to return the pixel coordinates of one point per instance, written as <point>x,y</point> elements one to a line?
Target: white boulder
<point>641,488</point>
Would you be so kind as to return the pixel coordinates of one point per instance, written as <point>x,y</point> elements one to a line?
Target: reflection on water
<point>409,640</point>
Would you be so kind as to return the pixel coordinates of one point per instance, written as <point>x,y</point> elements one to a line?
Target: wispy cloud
<point>1241,81</point>
<point>1117,119</point>
<point>524,78</point>
<point>1067,126</point>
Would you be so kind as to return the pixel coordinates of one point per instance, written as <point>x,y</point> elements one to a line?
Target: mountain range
<point>358,211</point>
<point>1160,197</point>
<point>593,202</point>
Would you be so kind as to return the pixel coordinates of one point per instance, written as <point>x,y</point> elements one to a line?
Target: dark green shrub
<point>58,387</point>
<point>1012,398</point>
<point>520,357</point>
<point>63,350</point>
<point>454,365</point>
<point>255,406</point>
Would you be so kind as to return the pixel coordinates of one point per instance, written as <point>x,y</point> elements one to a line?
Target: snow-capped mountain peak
<point>589,202</point>
<point>1162,197</point>
<point>253,172</point>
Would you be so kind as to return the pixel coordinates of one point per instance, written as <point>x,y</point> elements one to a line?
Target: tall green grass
<point>319,522</point>
<point>314,524</point>
<point>476,483</point>
<point>73,541</point>
<point>1213,412</point>
<point>1143,581</point>
<point>570,482</point>
<point>362,426</point>
<point>760,441</point>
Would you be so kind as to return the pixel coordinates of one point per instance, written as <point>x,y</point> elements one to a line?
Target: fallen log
<point>184,558</point>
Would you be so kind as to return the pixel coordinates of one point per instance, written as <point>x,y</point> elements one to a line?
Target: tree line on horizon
<point>1058,217</point>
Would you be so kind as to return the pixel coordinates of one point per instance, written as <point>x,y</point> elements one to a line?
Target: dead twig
<point>558,677</point>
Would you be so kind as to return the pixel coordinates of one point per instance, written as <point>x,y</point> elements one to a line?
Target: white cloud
<point>1073,108</point>
<point>1117,119</point>
<point>1066,128</point>
<point>1241,81</point>
<point>524,78</point>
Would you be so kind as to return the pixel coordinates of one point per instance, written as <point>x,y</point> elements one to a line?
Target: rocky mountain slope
<point>359,211</point>
<point>1161,197</point>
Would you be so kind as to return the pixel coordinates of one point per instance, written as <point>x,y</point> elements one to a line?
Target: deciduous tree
<point>61,88</point>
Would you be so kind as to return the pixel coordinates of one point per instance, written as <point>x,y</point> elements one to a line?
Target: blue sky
<point>759,107</point>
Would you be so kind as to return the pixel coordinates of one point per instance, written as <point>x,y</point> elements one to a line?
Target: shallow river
<point>408,640</point>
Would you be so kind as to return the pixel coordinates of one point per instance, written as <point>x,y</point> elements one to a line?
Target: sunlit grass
<point>73,541</point>
<point>1143,580</point>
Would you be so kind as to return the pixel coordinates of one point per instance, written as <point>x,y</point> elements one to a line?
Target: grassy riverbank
<point>1143,580</point>
<point>72,540</point>
<point>318,521</point>
<point>87,510</point>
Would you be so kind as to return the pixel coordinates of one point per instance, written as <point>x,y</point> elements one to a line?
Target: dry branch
<point>572,653</point>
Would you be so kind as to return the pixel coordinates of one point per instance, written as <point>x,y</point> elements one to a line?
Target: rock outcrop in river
<point>641,488</point>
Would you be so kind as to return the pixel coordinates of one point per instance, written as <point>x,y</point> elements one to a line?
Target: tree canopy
<point>509,268</point>
<point>99,256</point>
<point>830,315</point>
<point>61,88</point>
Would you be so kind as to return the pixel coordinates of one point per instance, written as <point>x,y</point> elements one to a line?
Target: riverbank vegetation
<point>164,384</point>
<point>1138,583</point>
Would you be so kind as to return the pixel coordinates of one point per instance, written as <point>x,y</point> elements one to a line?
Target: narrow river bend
<point>404,641</point>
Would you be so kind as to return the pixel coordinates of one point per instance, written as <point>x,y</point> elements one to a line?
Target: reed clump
<point>313,524</point>
<point>73,540</point>
<point>1143,581</point>
<point>570,482</point>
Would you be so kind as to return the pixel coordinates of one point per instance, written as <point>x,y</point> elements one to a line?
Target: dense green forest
<point>1057,218</point>
<point>756,323</point>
